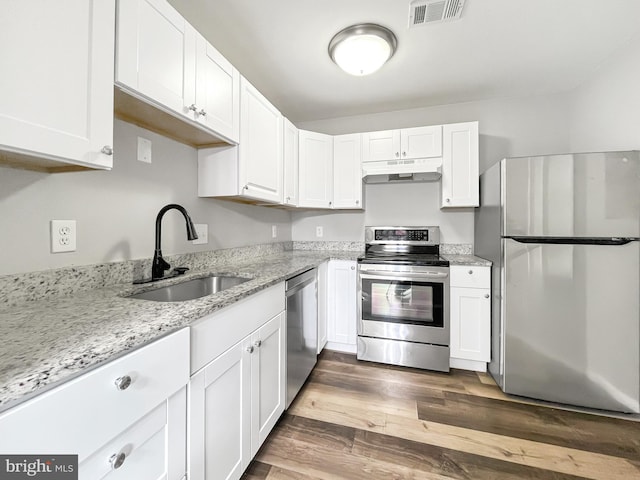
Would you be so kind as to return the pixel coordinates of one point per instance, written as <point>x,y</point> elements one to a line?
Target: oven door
<point>411,305</point>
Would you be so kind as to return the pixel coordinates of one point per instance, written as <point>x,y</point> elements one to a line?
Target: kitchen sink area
<point>190,289</point>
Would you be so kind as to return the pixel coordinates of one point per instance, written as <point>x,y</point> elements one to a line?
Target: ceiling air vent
<point>425,12</point>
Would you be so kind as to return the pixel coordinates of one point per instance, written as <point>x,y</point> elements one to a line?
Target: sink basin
<point>191,289</point>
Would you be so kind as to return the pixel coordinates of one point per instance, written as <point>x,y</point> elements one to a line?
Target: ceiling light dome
<point>362,49</point>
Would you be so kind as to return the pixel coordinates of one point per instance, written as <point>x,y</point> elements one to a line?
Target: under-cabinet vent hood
<point>395,171</point>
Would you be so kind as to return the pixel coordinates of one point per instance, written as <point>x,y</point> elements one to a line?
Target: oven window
<point>411,302</point>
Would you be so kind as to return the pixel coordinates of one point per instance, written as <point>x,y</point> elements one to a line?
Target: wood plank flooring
<point>361,420</point>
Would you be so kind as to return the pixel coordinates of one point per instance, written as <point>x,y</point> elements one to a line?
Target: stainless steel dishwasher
<point>302,330</point>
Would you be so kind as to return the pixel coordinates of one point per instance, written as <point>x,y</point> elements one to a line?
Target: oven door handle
<point>373,274</point>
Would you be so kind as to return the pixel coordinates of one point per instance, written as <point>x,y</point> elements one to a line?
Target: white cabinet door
<point>290,149</point>
<point>155,54</point>
<point>261,159</point>
<point>56,90</point>
<point>382,145</point>
<point>268,377</point>
<point>342,306</point>
<point>220,416</point>
<point>470,312</point>
<point>315,169</point>
<point>323,275</point>
<point>217,93</point>
<point>460,165</point>
<point>347,171</point>
<point>421,142</point>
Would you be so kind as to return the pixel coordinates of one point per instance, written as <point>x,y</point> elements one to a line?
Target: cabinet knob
<point>470,272</point>
<point>257,343</point>
<point>124,382</point>
<point>447,200</point>
<point>246,187</point>
<point>357,202</point>
<point>288,198</point>
<point>397,154</point>
<point>404,154</point>
<point>117,459</point>
<point>250,349</point>
<point>193,107</point>
<point>330,203</point>
<point>353,268</point>
<point>202,112</point>
<point>486,295</point>
<point>107,150</point>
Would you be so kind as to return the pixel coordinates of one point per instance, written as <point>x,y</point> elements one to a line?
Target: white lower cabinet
<point>236,398</point>
<point>323,272</point>
<point>470,317</point>
<point>342,311</point>
<point>125,419</point>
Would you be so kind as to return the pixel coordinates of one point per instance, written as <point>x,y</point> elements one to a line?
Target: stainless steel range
<point>403,291</point>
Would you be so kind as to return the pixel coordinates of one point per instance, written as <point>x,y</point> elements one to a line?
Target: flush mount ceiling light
<point>362,49</point>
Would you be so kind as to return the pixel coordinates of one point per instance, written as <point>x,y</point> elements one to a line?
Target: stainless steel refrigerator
<point>563,234</point>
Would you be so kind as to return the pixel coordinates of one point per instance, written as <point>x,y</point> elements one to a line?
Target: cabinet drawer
<point>468,276</point>
<point>83,414</point>
<point>152,448</point>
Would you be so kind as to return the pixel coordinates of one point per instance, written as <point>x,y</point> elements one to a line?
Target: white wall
<point>508,127</point>
<point>116,210</point>
<point>605,111</point>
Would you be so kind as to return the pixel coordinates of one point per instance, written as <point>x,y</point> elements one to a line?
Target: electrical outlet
<point>202,230</point>
<point>144,150</point>
<point>274,231</point>
<point>319,232</point>
<point>63,236</point>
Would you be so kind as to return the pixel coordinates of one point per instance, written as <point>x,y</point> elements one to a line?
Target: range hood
<point>397,171</point>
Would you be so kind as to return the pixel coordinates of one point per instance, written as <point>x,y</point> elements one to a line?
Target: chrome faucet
<point>159,264</point>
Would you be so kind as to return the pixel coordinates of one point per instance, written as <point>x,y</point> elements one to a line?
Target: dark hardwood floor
<point>360,420</point>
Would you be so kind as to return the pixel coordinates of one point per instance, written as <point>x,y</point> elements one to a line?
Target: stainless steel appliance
<point>302,330</point>
<point>562,232</point>
<point>403,307</point>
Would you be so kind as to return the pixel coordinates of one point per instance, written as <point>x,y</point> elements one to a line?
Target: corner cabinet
<point>253,170</point>
<point>470,312</point>
<point>125,419</point>
<point>290,154</point>
<point>56,105</point>
<point>347,171</point>
<point>342,307</point>
<point>236,398</point>
<point>315,170</point>
<point>460,165</point>
<point>170,79</point>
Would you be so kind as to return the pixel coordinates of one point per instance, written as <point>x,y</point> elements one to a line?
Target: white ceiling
<point>499,48</point>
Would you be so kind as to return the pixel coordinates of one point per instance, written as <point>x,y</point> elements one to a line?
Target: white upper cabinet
<point>315,169</point>
<point>406,144</point>
<point>460,169</point>
<point>290,149</point>
<point>261,158</point>
<point>56,100</point>
<point>347,171</point>
<point>163,61</point>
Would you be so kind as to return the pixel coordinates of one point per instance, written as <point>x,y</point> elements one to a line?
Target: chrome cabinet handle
<point>486,295</point>
<point>257,343</point>
<point>202,112</point>
<point>117,459</point>
<point>124,382</point>
<point>250,349</point>
<point>107,150</point>
<point>193,107</point>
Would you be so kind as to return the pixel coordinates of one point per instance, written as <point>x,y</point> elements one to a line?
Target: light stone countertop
<point>50,341</point>
<point>469,260</point>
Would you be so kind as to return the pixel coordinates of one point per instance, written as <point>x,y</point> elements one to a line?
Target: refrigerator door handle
<point>615,241</point>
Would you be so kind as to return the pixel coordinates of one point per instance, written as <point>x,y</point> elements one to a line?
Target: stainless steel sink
<point>191,289</point>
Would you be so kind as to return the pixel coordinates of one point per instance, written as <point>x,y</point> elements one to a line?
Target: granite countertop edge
<point>49,342</point>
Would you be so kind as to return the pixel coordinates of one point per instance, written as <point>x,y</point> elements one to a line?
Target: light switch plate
<point>144,150</point>
<point>63,236</point>
<point>202,230</point>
